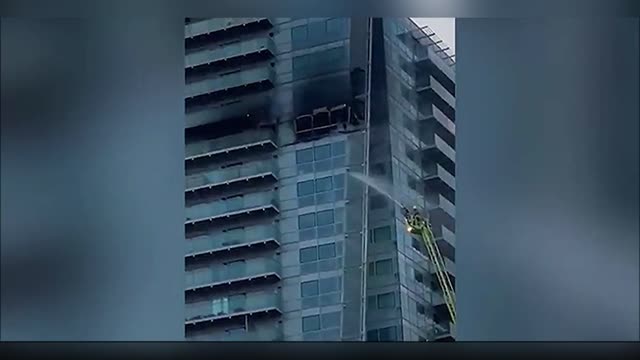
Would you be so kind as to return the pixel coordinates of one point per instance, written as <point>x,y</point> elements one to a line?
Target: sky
<point>445,28</point>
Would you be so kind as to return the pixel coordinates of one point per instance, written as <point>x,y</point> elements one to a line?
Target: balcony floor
<point>234,247</point>
<point>213,318</point>
<point>237,281</point>
<point>234,214</point>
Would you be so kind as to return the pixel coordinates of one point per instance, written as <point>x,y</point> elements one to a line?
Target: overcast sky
<point>445,28</point>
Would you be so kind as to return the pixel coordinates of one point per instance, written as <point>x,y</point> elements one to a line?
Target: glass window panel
<point>299,35</point>
<point>311,323</point>
<point>330,320</point>
<point>308,254</point>
<point>322,152</point>
<point>304,156</point>
<point>384,267</point>
<point>305,188</point>
<point>338,148</point>
<point>372,335</point>
<point>382,234</point>
<point>325,217</point>
<point>309,288</point>
<point>306,221</point>
<point>328,285</point>
<point>388,334</point>
<point>324,184</point>
<point>386,301</point>
<point>327,251</point>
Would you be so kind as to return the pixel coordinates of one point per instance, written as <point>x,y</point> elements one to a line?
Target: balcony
<point>429,83</point>
<point>437,177</point>
<point>237,109</point>
<point>236,81</point>
<point>230,175</point>
<point>251,304</point>
<point>440,152</point>
<point>234,273</point>
<point>266,333</point>
<point>232,207</point>
<point>253,140</point>
<point>232,239</point>
<point>449,267</point>
<point>230,53</point>
<point>218,25</point>
<point>442,333</point>
<point>437,202</point>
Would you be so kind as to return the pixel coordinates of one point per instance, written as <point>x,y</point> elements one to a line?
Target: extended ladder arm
<point>418,225</point>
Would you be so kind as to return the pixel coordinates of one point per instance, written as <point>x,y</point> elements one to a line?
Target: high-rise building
<point>282,243</point>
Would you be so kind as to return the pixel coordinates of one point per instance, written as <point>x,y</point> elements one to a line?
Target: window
<point>338,148</point>
<point>308,254</point>
<point>388,334</point>
<point>386,301</point>
<point>299,34</point>
<point>330,320</point>
<point>336,27</point>
<point>327,251</point>
<point>234,234</point>
<point>304,123</point>
<point>338,181</point>
<point>420,308</point>
<point>235,331</point>
<point>417,275</point>
<point>316,31</point>
<point>235,264</point>
<point>413,183</point>
<point>322,152</point>
<point>305,188</point>
<point>325,217</point>
<point>382,234</point>
<point>415,243</point>
<point>377,201</point>
<point>304,156</point>
<point>306,221</point>
<point>309,288</point>
<point>329,285</point>
<point>384,267</point>
<point>311,323</point>
<point>234,202</point>
<point>378,169</point>
<point>371,302</point>
<point>324,184</point>
<point>372,335</point>
<point>220,306</point>
<point>237,302</point>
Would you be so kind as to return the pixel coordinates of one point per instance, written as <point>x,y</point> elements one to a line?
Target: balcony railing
<point>231,206</point>
<point>270,333</point>
<point>437,201</point>
<point>234,238</point>
<point>227,110</point>
<point>229,51</point>
<point>232,306</point>
<point>430,83</point>
<point>232,273</point>
<point>439,145</point>
<point>218,24</point>
<point>229,81</point>
<point>434,170</point>
<point>231,174</point>
<point>231,143</point>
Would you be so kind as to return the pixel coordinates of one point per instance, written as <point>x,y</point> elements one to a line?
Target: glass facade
<point>275,225</point>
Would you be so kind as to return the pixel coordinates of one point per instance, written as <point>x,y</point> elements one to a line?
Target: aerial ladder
<point>419,225</point>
